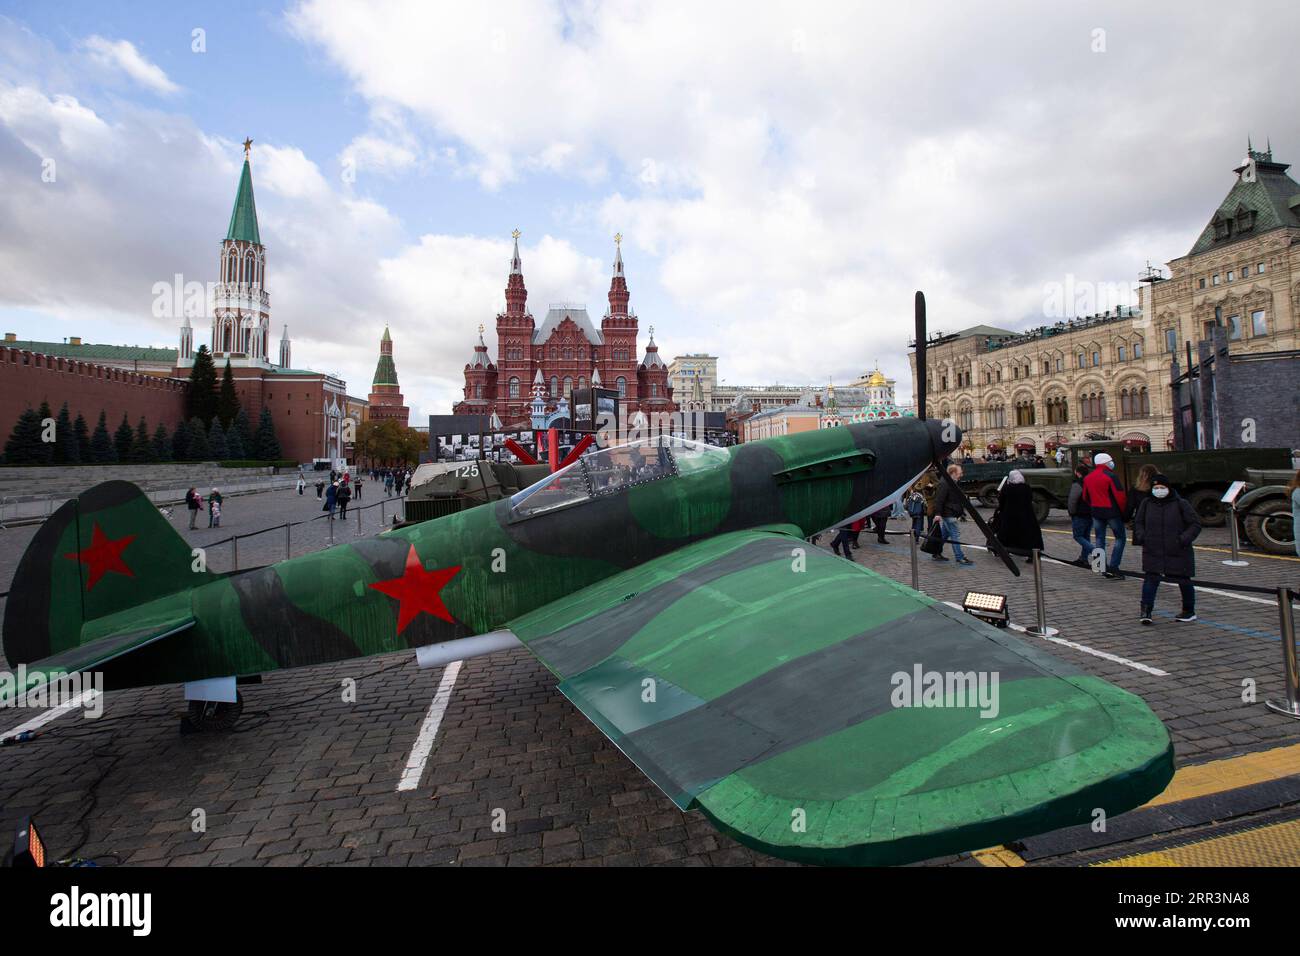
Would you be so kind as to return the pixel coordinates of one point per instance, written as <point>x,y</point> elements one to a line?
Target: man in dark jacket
<point>1104,495</point>
<point>1165,526</point>
<point>193,501</point>
<point>948,507</point>
<point>1080,515</point>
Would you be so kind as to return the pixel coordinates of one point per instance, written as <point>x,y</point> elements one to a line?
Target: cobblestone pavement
<point>311,778</point>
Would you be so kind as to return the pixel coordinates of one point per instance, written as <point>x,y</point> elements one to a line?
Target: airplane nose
<point>945,436</point>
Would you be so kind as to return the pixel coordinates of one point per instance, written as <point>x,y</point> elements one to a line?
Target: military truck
<point>981,479</point>
<point>446,487</point>
<point>1199,476</point>
<point>1264,510</point>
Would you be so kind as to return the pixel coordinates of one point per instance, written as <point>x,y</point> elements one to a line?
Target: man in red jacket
<point>1104,495</point>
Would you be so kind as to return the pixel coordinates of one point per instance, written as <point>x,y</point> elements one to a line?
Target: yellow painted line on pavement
<point>998,856</point>
<point>1216,776</point>
<point>1277,844</point>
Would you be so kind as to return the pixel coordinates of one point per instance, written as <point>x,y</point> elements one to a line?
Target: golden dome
<point>876,379</point>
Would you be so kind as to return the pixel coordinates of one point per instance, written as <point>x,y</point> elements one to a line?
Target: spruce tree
<point>101,443</point>
<point>201,391</point>
<point>45,451</point>
<point>162,444</point>
<point>245,433</point>
<point>217,441</point>
<point>181,442</point>
<point>82,432</point>
<point>266,447</point>
<point>122,440</point>
<point>142,444</point>
<point>235,449</point>
<point>24,444</point>
<point>198,441</point>
<point>65,446</point>
<point>228,399</point>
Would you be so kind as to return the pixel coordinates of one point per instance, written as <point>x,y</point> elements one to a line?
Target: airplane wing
<point>818,711</point>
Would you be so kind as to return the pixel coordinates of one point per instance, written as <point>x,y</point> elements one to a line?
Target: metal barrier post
<point>1235,561</point>
<point>381,513</point>
<point>1040,629</point>
<point>1291,706</point>
<point>916,566</point>
<point>330,521</point>
<point>234,547</point>
<point>358,521</point>
<point>288,541</point>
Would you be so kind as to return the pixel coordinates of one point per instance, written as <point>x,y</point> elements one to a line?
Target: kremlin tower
<point>385,395</point>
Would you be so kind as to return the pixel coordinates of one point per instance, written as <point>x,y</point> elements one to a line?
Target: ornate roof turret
<point>480,357</point>
<point>652,359</point>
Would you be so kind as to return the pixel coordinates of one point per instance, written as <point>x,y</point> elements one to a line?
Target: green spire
<point>243,218</point>
<point>385,371</point>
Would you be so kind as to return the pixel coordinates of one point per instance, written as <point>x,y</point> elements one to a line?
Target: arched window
<point>514,387</point>
<point>965,418</point>
<point>568,385</point>
<point>478,391</point>
<point>1092,406</point>
<point>1057,410</point>
<point>1024,413</point>
<point>582,383</point>
<point>622,387</point>
<point>555,385</point>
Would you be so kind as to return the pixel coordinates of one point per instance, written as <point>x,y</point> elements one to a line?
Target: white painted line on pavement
<point>423,745</point>
<point>1137,665</point>
<point>1110,657</point>
<point>40,720</point>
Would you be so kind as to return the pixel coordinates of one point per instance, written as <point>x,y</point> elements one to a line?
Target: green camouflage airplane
<point>811,708</point>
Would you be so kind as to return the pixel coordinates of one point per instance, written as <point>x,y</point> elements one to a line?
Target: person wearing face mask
<point>1165,527</point>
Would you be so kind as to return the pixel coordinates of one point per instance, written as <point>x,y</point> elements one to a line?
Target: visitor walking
<point>948,507</point>
<point>331,499</point>
<point>1080,515</point>
<point>193,501</point>
<point>1165,526</point>
<point>878,519</point>
<point>1014,523</point>
<point>214,509</point>
<point>388,483</point>
<point>915,508</point>
<point>343,497</point>
<point>843,542</point>
<point>1105,497</point>
<point>320,488</point>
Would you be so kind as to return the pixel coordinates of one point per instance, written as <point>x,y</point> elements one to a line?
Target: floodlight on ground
<point>987,607</point>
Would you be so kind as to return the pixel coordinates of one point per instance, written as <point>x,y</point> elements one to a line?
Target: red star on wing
<point>103,555</point>
<point>418,590</point>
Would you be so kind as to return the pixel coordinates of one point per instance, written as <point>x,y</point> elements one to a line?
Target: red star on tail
<point>102,556</point>
<point>418,590</point>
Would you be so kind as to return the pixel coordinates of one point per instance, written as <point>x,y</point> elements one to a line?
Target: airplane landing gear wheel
<point>212,716</point>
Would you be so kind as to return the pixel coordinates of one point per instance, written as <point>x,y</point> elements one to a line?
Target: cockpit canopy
<point>613,470</point>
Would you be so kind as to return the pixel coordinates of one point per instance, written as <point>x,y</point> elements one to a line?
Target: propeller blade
<point>920,355</point>
<point>994,544</point>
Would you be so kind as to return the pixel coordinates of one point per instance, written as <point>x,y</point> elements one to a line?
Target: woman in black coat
<point>1016,525</point>
<point>1165,526</point>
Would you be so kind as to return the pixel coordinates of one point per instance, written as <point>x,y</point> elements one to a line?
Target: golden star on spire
<point>480,328</point>
<point>248,147</point>
<point>516,234</point>
<point>618,238</point>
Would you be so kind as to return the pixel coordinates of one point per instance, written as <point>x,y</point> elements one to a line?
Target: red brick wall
<point>28,378</point>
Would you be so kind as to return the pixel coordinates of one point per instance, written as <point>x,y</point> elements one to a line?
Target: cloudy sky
<point>785,175</point>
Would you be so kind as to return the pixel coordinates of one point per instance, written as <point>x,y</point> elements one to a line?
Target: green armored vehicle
<point>1265,510</point>
<point>982,479</point>
<point>1200,476</point>
<point>446,487</point>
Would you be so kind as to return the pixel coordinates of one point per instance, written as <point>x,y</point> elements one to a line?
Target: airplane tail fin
<point>106,551</point>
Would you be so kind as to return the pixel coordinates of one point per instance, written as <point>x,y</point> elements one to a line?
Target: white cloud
<point>835,155</point>
<point>122,55</point>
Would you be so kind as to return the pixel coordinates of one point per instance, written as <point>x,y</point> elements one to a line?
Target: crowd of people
<point>1162,523</point>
